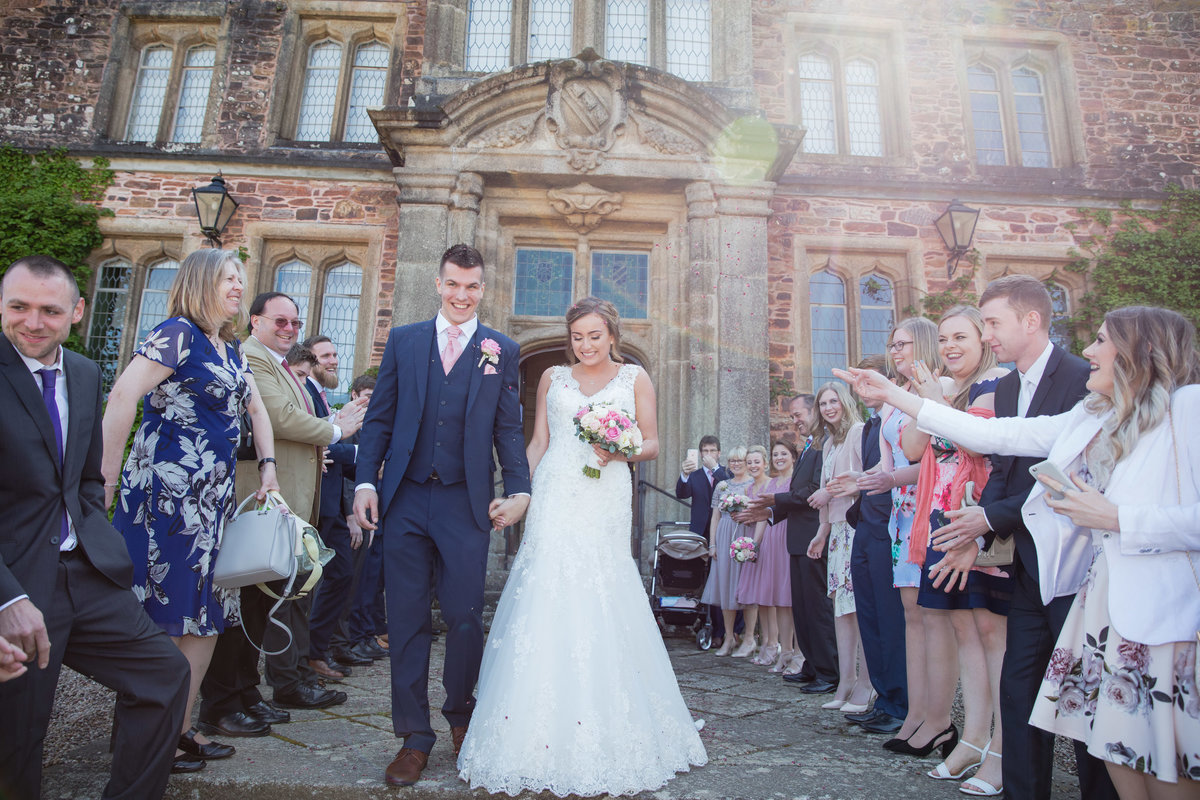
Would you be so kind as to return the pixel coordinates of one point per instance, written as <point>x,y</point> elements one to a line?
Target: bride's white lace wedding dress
<point>576,693</point>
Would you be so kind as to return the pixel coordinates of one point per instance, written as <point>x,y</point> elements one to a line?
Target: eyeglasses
<point>737,461</point>
<point>899,344</point>
<point>284,322</point>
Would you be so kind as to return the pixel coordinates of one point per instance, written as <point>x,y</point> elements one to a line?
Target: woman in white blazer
<point>1126,537</point>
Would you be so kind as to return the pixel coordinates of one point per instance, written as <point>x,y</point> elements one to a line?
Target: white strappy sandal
<point>942,773</point>
<point>976,787</point>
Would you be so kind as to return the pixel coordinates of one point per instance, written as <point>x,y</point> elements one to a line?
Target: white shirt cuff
<point>337,434</point>
<point>987,522</point>
<point>14,600</point>
<point>362,486</point>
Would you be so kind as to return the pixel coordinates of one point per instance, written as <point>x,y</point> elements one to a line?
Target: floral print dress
<point>177,492</point>
<point>1131,704</point>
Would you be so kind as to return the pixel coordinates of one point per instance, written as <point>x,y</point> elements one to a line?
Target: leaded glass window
<point>1060,316</point>
<point>153,308</point>
<point>294,278</point>
<point>986,119</point>
<point>627,31</point>
<point>318,102</point>
<point>545,281</point>
<point>876,314</point>
<point>366,91</point>
<point>1032,130</point>
<point>489,35</point>
<point>339,321</point>
<point>863,126</point>
<point>149,94</point>
<point>549,29</point>
<point>815,75</point>
<point>109,307</point>
<point>193,94</point>
<point>689,39</point>
<point>623,279</point>
<point>827,307</point>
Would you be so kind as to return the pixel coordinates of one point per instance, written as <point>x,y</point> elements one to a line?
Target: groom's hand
<point>505,511</point>
<point>366,508</point>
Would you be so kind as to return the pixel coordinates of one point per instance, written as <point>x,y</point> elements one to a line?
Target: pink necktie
<point>325,401</point>
<point>452,351</point>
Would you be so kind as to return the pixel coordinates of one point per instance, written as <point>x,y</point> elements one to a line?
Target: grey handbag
<point>258,545</point>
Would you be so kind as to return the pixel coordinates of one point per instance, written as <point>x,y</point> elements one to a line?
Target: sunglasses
<point>284,322</point>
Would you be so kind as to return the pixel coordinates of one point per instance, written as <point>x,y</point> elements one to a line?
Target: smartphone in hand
<point>1051,470</point>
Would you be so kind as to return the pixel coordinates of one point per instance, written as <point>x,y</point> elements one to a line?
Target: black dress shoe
<point>819,687</point>
<point>235,724</point>
<point>305,696</point>
<point>885,724</point>
<point>799,678</point>
<point>866,716</point>
<point>346,655</point>
<point>368,649</point>
<point>207,752</point>
<point>187,763</point>
<point>265,712</point>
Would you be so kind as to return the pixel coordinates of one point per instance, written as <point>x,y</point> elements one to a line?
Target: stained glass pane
<point>339,321</point>
<point>193,94</point>
<point>145,111</point>
<point>627,31</point>
<point>544,282</point>
<point>985,116</point>
<point>549,29</point>
<point>108,318</point>
<point>366,91</point>
<point>875,302</point>
<point>827,307</point>
<point>154,296</point>
<point>294,278</point>
<point>689,39</point>
<point>319,98</point>
<point>489,35</point>
<point>1031,118</point>
<point>1060,313</point>
<point>863,124</point>
<point>816,104</point>
<point>623,279</point>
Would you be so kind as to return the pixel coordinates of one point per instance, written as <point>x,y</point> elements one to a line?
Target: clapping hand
<point>12,660</point>
<point>844,485</point>
<point>1087,508</point>
<point>819,499</point>
<point>926,384</point>
<point>876,482</point>
<point>759,510</point>
<point>955,565</point>
<point>966,525</point>
<point>350,417</point>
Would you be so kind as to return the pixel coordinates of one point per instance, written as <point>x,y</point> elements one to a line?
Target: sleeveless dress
<point>835,459</point>
<point>905,574</point>
<point>576,692</point>
<point>768,580</point>
<point>720,589</point>
<point>176,492</point>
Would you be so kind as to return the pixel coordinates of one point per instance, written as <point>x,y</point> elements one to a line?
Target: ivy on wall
<point>49,205</point>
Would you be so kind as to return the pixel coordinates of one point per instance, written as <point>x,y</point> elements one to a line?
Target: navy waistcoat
<point>440,438</point>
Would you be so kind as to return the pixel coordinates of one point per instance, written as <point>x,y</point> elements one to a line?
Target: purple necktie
<point>49,381</point>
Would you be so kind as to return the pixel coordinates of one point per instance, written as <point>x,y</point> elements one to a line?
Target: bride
<point>576,693</point>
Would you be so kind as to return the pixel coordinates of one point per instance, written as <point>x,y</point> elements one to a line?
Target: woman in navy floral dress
<point>176,489</point>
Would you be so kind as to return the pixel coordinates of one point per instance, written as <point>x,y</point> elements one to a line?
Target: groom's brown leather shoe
<point>405,769</point>
<point>458,733</point>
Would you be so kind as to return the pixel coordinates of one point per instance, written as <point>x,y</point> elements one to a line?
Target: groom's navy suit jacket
<point>493,417</point>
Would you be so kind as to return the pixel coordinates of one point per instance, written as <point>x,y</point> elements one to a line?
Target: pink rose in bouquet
<point>733,503</point>
<point>742,549</point>
<point>614,430</point>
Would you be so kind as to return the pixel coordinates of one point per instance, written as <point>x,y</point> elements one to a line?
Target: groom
<point>446,394</point>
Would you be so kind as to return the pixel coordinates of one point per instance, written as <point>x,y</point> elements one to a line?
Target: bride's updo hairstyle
<point>607,312</point>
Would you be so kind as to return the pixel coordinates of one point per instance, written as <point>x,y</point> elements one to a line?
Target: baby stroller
<point>680,571</point>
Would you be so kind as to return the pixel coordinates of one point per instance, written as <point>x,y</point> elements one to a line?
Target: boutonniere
<point>491,352</point>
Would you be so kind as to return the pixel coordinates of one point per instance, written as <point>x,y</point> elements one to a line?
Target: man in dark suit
<point>696,481</point>
<point>812,610</point>
<point>65,574</point>
<point>441,403</point>
<point>1047,380</point>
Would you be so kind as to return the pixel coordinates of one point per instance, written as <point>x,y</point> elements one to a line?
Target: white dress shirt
<point>1030,379</point>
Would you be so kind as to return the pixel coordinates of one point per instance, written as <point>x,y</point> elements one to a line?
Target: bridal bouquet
<point>611,428</point>
<point>733,503</point>
<point>742,549</point>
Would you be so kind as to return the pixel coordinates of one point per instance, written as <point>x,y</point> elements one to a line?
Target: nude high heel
<point>748,646</point>
<point>784,657</point>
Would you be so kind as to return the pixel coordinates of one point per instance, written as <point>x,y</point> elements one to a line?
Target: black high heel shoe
<point>946,745</point>
<point>895,741</point>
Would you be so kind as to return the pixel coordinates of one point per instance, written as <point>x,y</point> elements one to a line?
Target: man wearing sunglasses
<point>232,704</point>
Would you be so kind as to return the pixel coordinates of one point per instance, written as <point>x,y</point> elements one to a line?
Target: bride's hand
<point>603,456</point>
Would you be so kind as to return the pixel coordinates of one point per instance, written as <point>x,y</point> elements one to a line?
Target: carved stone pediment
<point>584,206</point>
<point>585,108</point>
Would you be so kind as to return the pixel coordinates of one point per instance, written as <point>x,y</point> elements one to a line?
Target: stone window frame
<point>842,40</point>
<point>369,22</point>
<point>1049,56</point>
<point>582,249</point>
<point>321,249</point>
<point>141,253</point>
<point>851,259</point>
<point>588,22</point>
<point>134,35</point>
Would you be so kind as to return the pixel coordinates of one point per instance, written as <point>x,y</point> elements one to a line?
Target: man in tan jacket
<point>232,704</point>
